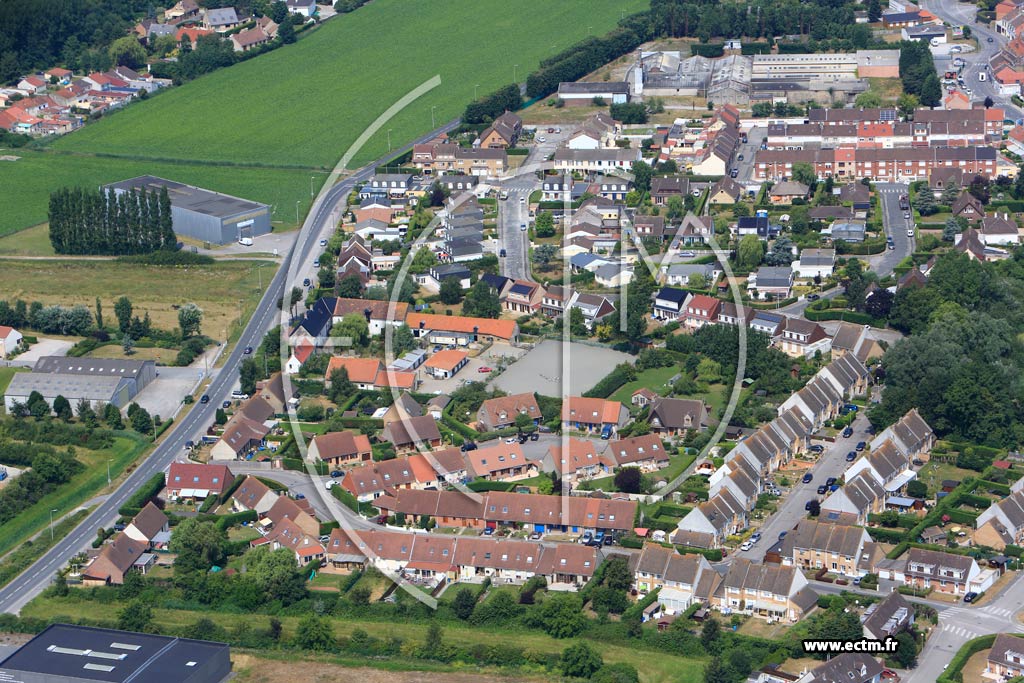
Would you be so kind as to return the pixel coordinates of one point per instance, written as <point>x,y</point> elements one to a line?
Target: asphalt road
<point>755,136</point>
<point>895,225</point>
<point>319,223</point>
<point>513,213</point>
<point>831,463</point>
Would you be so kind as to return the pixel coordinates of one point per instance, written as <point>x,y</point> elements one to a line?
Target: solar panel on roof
<point>887,115</point>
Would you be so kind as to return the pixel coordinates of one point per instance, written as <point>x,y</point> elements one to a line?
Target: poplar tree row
<point>84,221</point>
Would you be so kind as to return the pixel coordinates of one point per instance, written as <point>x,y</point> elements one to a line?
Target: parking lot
<point>471,373</point>
<point>541,370</point>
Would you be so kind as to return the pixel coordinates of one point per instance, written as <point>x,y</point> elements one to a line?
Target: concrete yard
<point>541,369</point>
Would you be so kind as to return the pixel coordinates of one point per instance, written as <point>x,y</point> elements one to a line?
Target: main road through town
<point>319,224</point>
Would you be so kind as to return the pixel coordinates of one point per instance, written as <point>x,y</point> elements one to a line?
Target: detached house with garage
<point>341,449</point>
<point>593,415</point>
<point>669,304</point>
<point>500,462</point>
<point>499,413</point>
<point>942,572</point>
<point>1006,658</point>
<point>888,618</point>
<point>676,416</point>
<point>195,481</point>
<point>646,452</point>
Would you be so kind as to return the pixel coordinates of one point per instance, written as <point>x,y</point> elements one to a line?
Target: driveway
<point>470,373</point>
<point>44,347</point>
<point>832,463</point>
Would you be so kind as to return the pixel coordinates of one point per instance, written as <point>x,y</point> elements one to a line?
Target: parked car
<point>598,540</point>
<point>848,432</point>
<point>822,490</point>
<point>783,535</point>
<point>316,263</point>
<point>734,172</point>
<point>484,369</point>
<point>587,537</point>
<point>534,437</point>
<point>917,462</point>
<point>323,243</point>
<point>972,596</point>
<point>989,39</point>
<point>542,139</point>
<point>906,215</point>
<point>535,536</point>
<point>337,473</point>
<point>512,439</point>
<point>609,539</point>
<point>468,446</point>
<point>755,537</point>
<point>522,200</point>
<point>522,227</point>
<point>861,445</point>
<point>330,484</point>
<point>746,545</point>
<point>740,158</point>
<point>910,232</point>
<point>488,531</point>
<point>306,282</point>
<point>687,254</point>
<point>817,448</point>
<point>813,297</point>
<point>808,478</point>
<point>830,481</point>
<point>239,395</point>
<point>502,253</point>
<point>809,504</point>
<point>225,405</point>
<point>851,456</point>
<point>300,496</point>
<point>851,408</point>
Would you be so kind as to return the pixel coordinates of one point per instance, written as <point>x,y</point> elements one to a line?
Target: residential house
<point>847,231</point>
<point>502,133</point>
<point>999,230</point>
<point>460,330</point>
<point>341,449</point>
<point>967,206</point>
<point>404,407</point>
<point>642,397</point>
<point>10,340</point>
<point>649,227</point>
<point>298,512</point>
<point>34,85</point>
<point>861,496</point>
<point>695,230</point>
<point>315,326</point>
<point>416,472</point>
<point>818,401</point>
<point>499,413</point>
<point>911,436</point>
<point>849,667</point>
<point>799,338</point>
<point>443,271</point>
<point>253,494</point>
<point>1002,523</point>
<point>196,481</point>
<point>523,297</point>
<point>942,572</point>
<point>662,189</point>
<point>757,225</point>
<point>770,281</point>
<point>116,558</point>
<point>288,534</point>
<point>306,8</point>
<point>595,160</point>
<point>890,468</point>
<point>676,416</point>
<point>245,430</point>
<point>192,34</point>
<point>246,40</point>
<point>669,304</point>
<point>768,591</point>
<point>369,374</point>
<point>856,340</point>
<point>741,479</point>
<point>412,434</point>
<point>788,191</point>
<point>942,177</point>
<point>815,263</point>
<point>590,415</point>
<point>705,275</point>
<point>646,452</point>
<point>500,462</point>
<point>836,548</point>
<point>1006,658</point>
<point>594,307</point>
<point>681,580</point>
<point>711,522</point>
<point>857,195</point>
<point>183,9</point>
<point>887,618</point>
<point>220,20</point>
<point>577,462</point>
<point>149,526</point>
<point>446,363</point>
<point>725,191</point>
<point>700,310</point>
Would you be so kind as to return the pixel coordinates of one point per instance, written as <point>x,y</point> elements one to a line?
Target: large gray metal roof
<point>190,197</point>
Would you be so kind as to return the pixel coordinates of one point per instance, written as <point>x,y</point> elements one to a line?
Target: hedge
<point>712,554</point>
<point>636,610</point>
<point>490,107</point>
<point>462,430</point>
<point>164,426</point>
<point>300,466</point>
<point>611,382</point>
<point>229,491</point>
<point>143,495</point>
<point>273,485</point>
<point>710,50</point>
<point>865,248</point>
<point>755,48</point>
<point>327,527</point>
<point>484,485</point>
<point>225,521</point>
<point>580,59</point>
<point>1011,205</point>
<point>345,498</point>
<point>883,535</point>
<point>954,671</point>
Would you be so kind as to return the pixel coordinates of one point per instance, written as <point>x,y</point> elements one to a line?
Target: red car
<point>484,369</point>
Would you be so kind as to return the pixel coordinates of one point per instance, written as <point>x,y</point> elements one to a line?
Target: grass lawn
<point>29,181</point>
<point>654,667</point>
<point>346,91</point>
<point>34,241</point>
<point>81,488</point>
<point>161,356</point>
<point>934,472</point>
<point>654,379</point>
<point>6,374</point>
<point>217,288</point>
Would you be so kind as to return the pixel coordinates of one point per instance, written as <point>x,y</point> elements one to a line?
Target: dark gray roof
<point>224,16</point>
<point>849,667</point>
<point>192,198</point>
<point>770,276</point>
<point>886,618</point>
<point>820,536</point>
<point>63,653</point>
<point>99,367</point>
<point>71,387</point>
<point>594,88</point>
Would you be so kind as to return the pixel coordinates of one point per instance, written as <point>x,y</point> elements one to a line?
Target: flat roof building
<point>203,214</point>
<point>76,654</point>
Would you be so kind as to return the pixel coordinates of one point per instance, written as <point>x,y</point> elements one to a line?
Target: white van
<point>245,241</point>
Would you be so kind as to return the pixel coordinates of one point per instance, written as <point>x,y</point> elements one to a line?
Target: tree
<point>879,304</point>
<point>676,208</point>
<point>749,252</point>
<point>988,100</point>
<point>835,624</point>
<point>136,616</point>
<point>628,479</point>
<point>353,330</point>
<point>99,314</point>
<point>917,489</point>
<point>710,634</point>
<point>925,204</point>
<point>868,99</point>
<point>629,112</point>
<point>286,32</point>
<point>141,421</point>
<point>127,345</point>
<point>907,103</point>
<point>350,286</point>
<point>274,571</point>
<point>127,52</point>
<point>874,11</point>
<point>781,253</point>
<point>979,188</point>
<point>949,194</point>
<point>341,386</point>
<point>295,297</point>
<point>577,323</point>
<point>402,340</point>
<point>248,373</point>
<point>464,603</point>
<point>112,416</point>
<point>544,224</point>
<point>190,319</point>
<point>642,173</point>
<point>617,673</point>
<point>716,672</point>
<point>856,284</point>
<point>561,616</point>
<point>931,91</point>
<point>37,405</point>
<point>804,173</point>
<point>315,632</point>
<point>580,661</point>
<point>123,313</point>
<point>814,507</point>
<point>543,254</point>
<point>451,291</point>
<point>62,407</point>
<point>279,12</point>
<point>86,415</point>
<point>638,301</point>
<point>523,421</point>
<point>422,261</point>
<point>906,650</point>
<point>199,545</point>
<point>482,301</point>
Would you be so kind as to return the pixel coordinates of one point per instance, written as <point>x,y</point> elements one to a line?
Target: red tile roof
<point>503,329</point>
<point>447,359</point>
<point>191,475</point>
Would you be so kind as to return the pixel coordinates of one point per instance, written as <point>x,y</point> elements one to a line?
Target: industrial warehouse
<point>202,214</point>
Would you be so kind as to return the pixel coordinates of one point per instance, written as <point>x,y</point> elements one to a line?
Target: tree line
<point>85,221</point>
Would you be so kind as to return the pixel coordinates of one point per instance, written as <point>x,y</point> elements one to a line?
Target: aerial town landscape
<point>650,341</point>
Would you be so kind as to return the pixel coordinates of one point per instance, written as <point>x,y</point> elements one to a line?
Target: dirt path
<point>250,669</point>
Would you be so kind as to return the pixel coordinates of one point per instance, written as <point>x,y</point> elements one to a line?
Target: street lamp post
<point>51,524</point>
<point>515,70</point>
<point>389,139</point>
<point>108,470</point>
<point>311,178</point>
<point>475,87</point>
<point>297,210</point>
<point>432,108</point>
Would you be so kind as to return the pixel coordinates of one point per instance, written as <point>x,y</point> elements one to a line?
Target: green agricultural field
<point>28,182</point>
<point>305,104</point>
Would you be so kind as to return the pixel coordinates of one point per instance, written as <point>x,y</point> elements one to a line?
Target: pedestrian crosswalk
<point>960,631</point>
<point>992,610</point>
<point>998,611</point>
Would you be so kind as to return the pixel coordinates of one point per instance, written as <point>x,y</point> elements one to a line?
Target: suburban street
<point>831,463</point>
<point>319,224</point>
<point>755,136</point>
<point>512,214</point>
<point>896,227</point>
